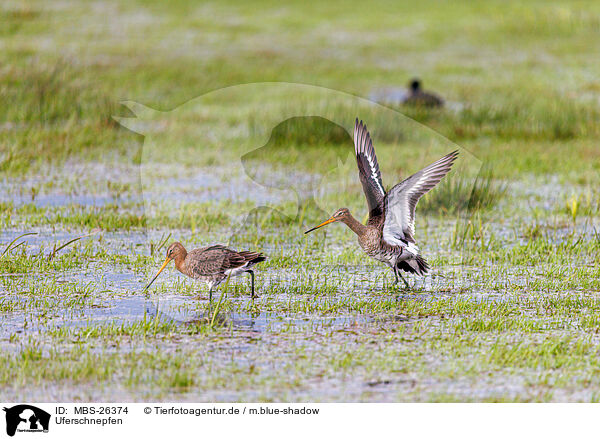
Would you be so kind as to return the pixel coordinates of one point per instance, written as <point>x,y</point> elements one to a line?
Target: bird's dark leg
<point>398,275</point>
<point>210,295</point>
<point>252,283</point>
<point>405,282</point>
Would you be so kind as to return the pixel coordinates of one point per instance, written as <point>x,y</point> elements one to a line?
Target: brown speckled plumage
<point>212,264</point>
<point>388,235</point>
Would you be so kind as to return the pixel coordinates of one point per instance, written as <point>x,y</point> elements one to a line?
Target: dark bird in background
<point>211,264</point>
<point>388,235</point>
<point>413,95</point>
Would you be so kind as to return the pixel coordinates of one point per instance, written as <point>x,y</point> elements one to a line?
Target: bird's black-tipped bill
<point>330,220</point>
<point>159,271</point>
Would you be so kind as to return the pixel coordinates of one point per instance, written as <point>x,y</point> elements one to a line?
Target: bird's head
<point>415,84</point>
<point>339,215</point>
<point>175,251</point>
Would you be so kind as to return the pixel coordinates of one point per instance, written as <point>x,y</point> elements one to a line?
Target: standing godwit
<point>211,264</point>
<point>388,234</point>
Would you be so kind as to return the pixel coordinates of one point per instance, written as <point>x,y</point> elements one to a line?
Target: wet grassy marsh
<point>511,309</point>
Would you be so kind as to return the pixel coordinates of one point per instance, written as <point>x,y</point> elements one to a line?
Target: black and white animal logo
<point>26,418</point>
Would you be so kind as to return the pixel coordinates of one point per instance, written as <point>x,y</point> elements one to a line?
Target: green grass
<point>107,217</point>
<point>511,310</point>
<point>459,194</point>
<point>64,102</point>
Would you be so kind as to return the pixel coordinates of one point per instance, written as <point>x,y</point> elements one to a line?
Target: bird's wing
<point>250,256</point>
<point>401,200</point>
<point>213,260</point>
<point>368,168</point>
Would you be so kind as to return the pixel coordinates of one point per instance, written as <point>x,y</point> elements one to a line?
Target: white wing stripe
<point>402,199</point>
<point>368,167</point>
<point>374,173</point>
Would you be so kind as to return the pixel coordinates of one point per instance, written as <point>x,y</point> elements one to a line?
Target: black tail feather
<point>417,266</point>
<point>253,257</point>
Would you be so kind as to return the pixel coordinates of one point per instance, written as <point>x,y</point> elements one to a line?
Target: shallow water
<point>309,308</point>
<point>116,298</point>
<point>177,310</point>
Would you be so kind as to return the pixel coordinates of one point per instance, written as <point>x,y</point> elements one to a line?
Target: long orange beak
<point>330,220</point>
<point>159,271</point>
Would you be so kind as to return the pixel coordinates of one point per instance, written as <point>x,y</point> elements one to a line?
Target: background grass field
<point>511,311</point>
